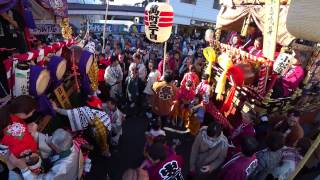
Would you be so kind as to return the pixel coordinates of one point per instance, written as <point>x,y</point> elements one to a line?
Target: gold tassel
<point>93,76</point>
<point>100,134</point>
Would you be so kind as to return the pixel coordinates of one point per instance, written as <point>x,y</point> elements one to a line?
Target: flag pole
<point>104,27</point>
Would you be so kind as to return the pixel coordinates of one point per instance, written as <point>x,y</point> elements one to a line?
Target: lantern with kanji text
<point>158,20</point>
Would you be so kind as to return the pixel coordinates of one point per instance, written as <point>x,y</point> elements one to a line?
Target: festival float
<point>259,71</point>
<point>247,82</point>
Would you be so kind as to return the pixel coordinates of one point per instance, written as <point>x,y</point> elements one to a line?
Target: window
<point>216,4</point>
<point>189,1</point>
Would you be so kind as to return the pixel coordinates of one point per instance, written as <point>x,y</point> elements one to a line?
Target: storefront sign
<point>272,9</point>
<point>42,29</point>
<point>137,28</point>
<point>115,28</point>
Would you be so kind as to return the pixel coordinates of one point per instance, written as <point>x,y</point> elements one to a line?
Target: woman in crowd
<point>153,77</point>
<point>142,71</point>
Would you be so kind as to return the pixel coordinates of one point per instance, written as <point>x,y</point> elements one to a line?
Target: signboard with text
<point>43,29</point>
<point>272,9</point>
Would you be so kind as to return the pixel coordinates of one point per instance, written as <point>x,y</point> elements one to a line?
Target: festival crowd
<point>175,94</point>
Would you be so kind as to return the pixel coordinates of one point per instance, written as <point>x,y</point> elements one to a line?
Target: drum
<point>78,53</point>
<point>21,79</point>
<point>39,80</point>
<point>57,67</point>
<point>85,64</point>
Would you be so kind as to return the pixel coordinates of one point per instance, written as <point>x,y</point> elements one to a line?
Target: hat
<point>91,47</point>
<point>95,102</point>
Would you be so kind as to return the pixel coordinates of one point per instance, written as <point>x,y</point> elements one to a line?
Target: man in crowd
<point>165,92</point>
<point>290,128</point>
<point>242,164</point>
<point>209,151</point>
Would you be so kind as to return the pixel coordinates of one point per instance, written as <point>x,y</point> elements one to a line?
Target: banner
<point>272,9</point>
<point>59,7</point>
<point>114,28</point>
<point>43,29</point>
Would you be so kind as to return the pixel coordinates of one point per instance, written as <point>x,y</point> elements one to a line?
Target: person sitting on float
<point>204,89</point>
<point>14,130</point>
<point>235,41</point>
<point>290,80</point>
<point>256,49</point>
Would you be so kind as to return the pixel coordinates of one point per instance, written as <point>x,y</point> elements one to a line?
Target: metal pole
<point>165,52</point>
<point>104,27</point>
<point>164,57</point>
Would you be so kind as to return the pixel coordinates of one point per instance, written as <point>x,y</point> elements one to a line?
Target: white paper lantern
<point>282,63</point>
<point>158,19</point>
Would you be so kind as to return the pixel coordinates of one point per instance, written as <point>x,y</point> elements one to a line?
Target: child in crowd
<point>116,119</point>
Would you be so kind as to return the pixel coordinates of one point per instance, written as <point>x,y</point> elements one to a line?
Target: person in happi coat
<point>164,96</point>
<point>14,130</point>
<point>113,77</point>
<point>244,128</point>
<point>256,49</point>
<point>180,111</point>
<point>290,81</point>
<point>191,76</point>
<point>164,166</point>
<point>204,89</point>
<point>243,163</point>
<point>134,86</point>
<point>169,64</point>
<point>63,157</point>
<point>91,114</point>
